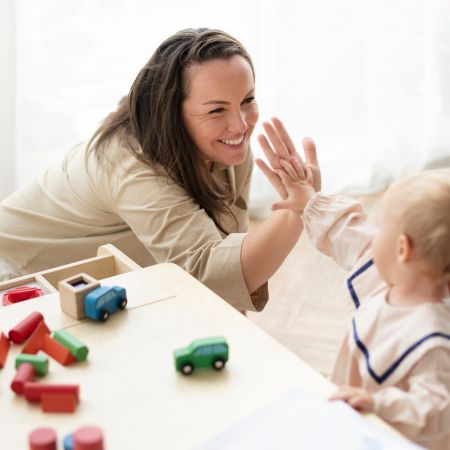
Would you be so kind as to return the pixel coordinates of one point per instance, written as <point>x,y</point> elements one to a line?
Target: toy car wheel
<point>105,315</point>
<point>123,303</point>
<point>187,368</point>
<point>219,364</point>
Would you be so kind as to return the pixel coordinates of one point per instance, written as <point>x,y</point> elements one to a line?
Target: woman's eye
<point>249,100</point>
<point>218,110</point>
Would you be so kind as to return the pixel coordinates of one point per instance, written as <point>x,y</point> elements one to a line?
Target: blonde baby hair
<point>424,209</point>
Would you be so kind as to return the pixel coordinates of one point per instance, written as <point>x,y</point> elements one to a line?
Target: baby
<point>395,359</point>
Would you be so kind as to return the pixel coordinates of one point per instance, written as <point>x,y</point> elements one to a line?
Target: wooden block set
<point>61,346</point>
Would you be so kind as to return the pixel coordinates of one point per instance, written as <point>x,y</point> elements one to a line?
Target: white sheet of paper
<point>297,420</point>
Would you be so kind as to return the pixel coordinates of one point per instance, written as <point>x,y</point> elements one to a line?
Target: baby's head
<point>415,227</point>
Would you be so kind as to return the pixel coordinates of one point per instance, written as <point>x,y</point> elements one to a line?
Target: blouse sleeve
<point>337,226</point>
<point>173,228</point>
<point>422,412</point>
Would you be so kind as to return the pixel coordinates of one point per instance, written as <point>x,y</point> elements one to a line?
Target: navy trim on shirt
<point>380,378</point>
<point>350,281</point>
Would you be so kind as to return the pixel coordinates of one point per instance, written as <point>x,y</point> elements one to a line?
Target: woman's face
<point>220,111</point>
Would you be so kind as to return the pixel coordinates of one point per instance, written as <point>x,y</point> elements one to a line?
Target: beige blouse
<point>80,204</point>
<point>399,354</point>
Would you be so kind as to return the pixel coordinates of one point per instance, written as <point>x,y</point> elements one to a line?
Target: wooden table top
<point>128,385</point>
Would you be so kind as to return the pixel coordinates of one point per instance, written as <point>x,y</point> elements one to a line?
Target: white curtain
<point>7,97</point>
<point>368,79</point>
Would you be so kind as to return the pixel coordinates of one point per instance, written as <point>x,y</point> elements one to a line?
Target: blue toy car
<point>100,303</point>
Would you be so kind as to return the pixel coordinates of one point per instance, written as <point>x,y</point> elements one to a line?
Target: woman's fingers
<point>279,146</point>
<point>309,148</point>
<point>284,135</point>
<point>272,177</point>
<point>309,175</point>
<point>271,156</point>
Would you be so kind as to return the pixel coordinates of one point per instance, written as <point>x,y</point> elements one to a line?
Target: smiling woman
<point>165,178</point>
<point>221,127</point>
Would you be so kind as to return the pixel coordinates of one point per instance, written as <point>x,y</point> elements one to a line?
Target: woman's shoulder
<point>121,159</point>
<point>119,173</point>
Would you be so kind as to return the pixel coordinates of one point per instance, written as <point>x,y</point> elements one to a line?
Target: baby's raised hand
<point>296,179</point>
<point>277,145</point>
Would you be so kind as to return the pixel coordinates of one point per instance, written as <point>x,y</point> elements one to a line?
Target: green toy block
<point>40,362</point>
<point>76,347</point>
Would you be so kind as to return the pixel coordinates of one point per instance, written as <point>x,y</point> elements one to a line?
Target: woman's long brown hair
<point>151,115</point>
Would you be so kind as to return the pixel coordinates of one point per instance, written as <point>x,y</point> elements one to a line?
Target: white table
<point>128,385</point>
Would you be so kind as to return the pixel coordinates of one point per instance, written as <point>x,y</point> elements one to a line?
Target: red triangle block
<point>57,351</point>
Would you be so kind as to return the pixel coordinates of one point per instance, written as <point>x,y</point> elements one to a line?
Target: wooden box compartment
<point>109,261</point>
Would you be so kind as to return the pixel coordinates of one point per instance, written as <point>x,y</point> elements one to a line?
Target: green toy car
<point>205,352</point>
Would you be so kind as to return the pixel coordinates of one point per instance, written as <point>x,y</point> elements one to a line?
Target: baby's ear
<point>404,248</point>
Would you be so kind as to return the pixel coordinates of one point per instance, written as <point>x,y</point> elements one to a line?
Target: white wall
<point>7,97</point>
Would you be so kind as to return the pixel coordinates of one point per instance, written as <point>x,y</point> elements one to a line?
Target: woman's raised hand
<point>280,148</point>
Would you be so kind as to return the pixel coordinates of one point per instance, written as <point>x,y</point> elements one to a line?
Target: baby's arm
<point>336,225</point>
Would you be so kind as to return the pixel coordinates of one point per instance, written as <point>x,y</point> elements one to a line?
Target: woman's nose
<point>237,123</point>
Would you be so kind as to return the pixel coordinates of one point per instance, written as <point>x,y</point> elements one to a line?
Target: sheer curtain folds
<point>366,79</point>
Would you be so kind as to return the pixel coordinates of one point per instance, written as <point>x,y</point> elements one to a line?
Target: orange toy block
<point>4,348</point>
<point>58,402</point>
<point>34,343</point>
<point>57,351</point>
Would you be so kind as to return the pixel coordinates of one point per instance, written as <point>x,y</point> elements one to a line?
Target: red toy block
<point>88,438</point>
<point>23,329</point>
<point>4,348</point>
<point>34,343</point>
<point>58,402</point>
<point>42,439</point>
<point>57,351</point>
<point>25,372</point>
<point>33,391</point>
